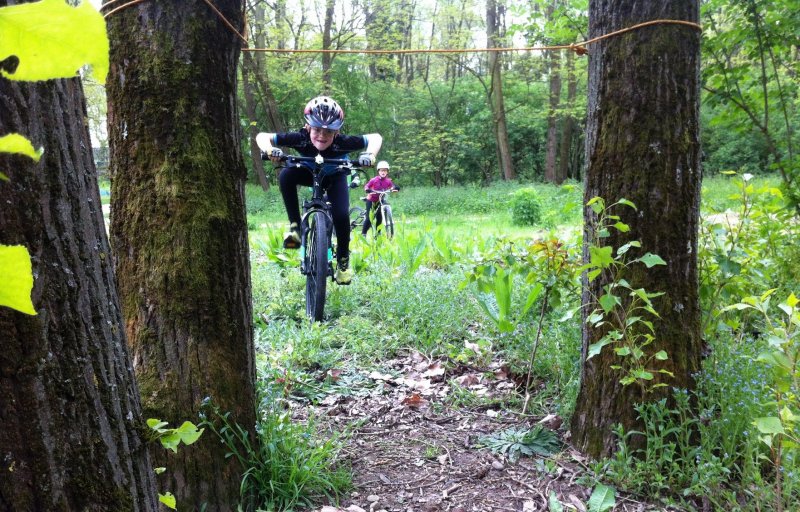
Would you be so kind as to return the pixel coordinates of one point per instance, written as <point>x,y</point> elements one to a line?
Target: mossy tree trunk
<point>70,417</point>
<point>178,229</point>
<point>643,145</point>
<point>495,36</point>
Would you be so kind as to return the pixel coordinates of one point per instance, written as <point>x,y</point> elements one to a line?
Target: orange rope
<point>579,48</point>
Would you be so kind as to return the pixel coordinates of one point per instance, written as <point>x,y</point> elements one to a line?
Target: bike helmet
<point>323,112</point>
<point>383,164</point>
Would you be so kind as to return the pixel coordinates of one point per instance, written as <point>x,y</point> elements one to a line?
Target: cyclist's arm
<point>374,142</point>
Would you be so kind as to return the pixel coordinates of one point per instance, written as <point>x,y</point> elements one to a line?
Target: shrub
<point>525,207</point>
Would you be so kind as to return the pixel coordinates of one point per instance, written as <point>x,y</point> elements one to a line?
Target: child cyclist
<point>379,183</point>
<point>320,135</point>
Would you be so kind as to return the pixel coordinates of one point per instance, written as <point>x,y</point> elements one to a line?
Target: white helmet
<point>383,164</point>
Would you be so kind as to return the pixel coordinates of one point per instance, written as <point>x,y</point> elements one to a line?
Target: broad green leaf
<point>622,227</point>
<point>188,432</point>
<point>661,355</point>
<point>171,441</point>
<point>643,374</point>
<point>601,256</point>
<point>603,498</point>
<point>792,301</point>
<point>553,503</point>
<point>627,203</point>
<point>16,143</point>
<point>52,39</point>
<point>651,260</point>
<point>16,278</point>
<point>156,424</point>
<point>167,499</point>
<point>595,348</point>
<point>608,302</point>
<point>3,177</point>
<point>532,296</point>
<point>769,425</point>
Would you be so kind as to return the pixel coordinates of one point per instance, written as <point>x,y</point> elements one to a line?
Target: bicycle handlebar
<point>319,160</point>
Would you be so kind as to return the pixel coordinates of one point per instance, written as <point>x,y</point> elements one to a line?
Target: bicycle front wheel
<point>388,222</point>
<point>316,265</point>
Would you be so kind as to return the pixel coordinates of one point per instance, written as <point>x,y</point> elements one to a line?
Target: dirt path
<point>413,452</point>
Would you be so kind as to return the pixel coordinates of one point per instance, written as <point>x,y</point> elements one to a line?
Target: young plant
<point>624,312</point>
<point>780,431</point>
<point>171,438</point>
<point>513,442</point>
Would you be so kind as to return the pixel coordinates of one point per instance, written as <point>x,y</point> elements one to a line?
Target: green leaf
<point>532,296</point>
<point>595,348</point>
<point>627,203</point>
<point>52,39</point>
<point>622,227</point>
<point>171,441</point>
<point>769,425</point>
<point>16,143</point>
<point>601,256</point>
<point>16,278</point>
<point>609,301</point>
<point>3,177</point>
<point>642,374</point>
<point>167,499</point>
<point>188,432</point>
<point>553,503</point>
<point>651,260</point>
<point>661,355</point>
<point>603,498</point>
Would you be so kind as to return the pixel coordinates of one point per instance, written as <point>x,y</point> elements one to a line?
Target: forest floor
<point>412,450</point>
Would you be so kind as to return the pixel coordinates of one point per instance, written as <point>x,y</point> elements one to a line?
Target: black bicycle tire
<point>388,222</point>
<point>358,220</point>
<point>316,266</point>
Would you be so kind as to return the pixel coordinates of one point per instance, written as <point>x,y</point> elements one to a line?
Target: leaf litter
<point>413,447</point>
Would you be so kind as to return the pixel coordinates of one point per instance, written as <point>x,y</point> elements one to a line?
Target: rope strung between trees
<point>578,48</point>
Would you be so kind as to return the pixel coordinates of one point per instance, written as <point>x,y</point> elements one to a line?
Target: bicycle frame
<point>316,228</point>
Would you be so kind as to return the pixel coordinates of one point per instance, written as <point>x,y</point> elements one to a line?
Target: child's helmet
<point>383,164</point>
<point>323,112</point>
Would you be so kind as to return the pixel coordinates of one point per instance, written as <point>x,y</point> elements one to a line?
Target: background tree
<point>178,228</point>
<point>643,145</point>
<point>69,406</point>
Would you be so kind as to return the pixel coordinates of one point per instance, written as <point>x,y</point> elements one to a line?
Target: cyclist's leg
<point>367,223</point>
<point>288,180</point>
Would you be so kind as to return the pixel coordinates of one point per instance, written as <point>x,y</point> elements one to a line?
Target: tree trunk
<point>496,100</point>
<point>70,419</point>
<point>643,144</point>
<point>179,230</point>
<point>327,58</point>
<point>248,77</point>
<point>568,131</point>
<point>551,174</point>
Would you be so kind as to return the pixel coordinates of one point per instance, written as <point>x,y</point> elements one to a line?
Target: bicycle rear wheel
<point>316,265</point>
<point>388,221</point>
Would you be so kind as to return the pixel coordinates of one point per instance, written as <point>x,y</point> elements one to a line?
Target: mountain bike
<point>358,214</point>
<point>316,229</point>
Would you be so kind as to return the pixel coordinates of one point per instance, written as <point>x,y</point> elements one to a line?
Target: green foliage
<point>287,465</point>
<point>16,274</point>
<point>171,438</point>
<point>514,443</point>
<point>525,207</point>
<point>602,499</point>
<point>71,37</point>
<point>16,143</point>
<point>624,313</point>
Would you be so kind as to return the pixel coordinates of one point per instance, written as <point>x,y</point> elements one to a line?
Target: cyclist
<point>379,183</point>
<point>320,135</point>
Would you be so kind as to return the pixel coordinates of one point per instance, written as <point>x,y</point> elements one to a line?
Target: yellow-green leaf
<point>167,499</point>
<point>16,278</point>
<point>16,143</point>
<point>52,39</point>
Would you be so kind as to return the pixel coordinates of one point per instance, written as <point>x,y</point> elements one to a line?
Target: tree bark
<point>551,174</point>
<point>568,130</point>
<point>248,78</point>
<point>327,58</point>
<point>179,231</point>
<point>496,99</point>
<point>70,419</point>
<point>643,144</point>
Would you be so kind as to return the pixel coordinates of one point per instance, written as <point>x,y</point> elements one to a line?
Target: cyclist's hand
<point>275,155</point>
<point>366,160</point>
